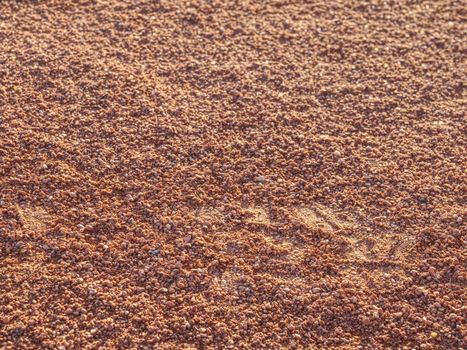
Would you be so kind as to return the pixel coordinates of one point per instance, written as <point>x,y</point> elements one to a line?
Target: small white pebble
<point>260,179</point>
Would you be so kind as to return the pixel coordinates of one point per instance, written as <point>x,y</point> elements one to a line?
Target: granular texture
<point>277,174</point>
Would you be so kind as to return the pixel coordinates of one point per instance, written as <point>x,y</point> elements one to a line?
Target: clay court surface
<point>232,174</point>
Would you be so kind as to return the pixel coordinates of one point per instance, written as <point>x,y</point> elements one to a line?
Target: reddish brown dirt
<point>232,175</point>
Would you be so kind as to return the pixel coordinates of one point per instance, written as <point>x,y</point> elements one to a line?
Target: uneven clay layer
<point>232,174</point>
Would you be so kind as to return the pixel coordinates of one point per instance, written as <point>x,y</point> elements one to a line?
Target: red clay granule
<point>232,174</point>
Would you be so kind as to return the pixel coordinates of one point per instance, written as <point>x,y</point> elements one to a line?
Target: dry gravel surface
<point>233,174</point>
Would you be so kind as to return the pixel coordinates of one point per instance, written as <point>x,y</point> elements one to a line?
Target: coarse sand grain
<point>232,174</point>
